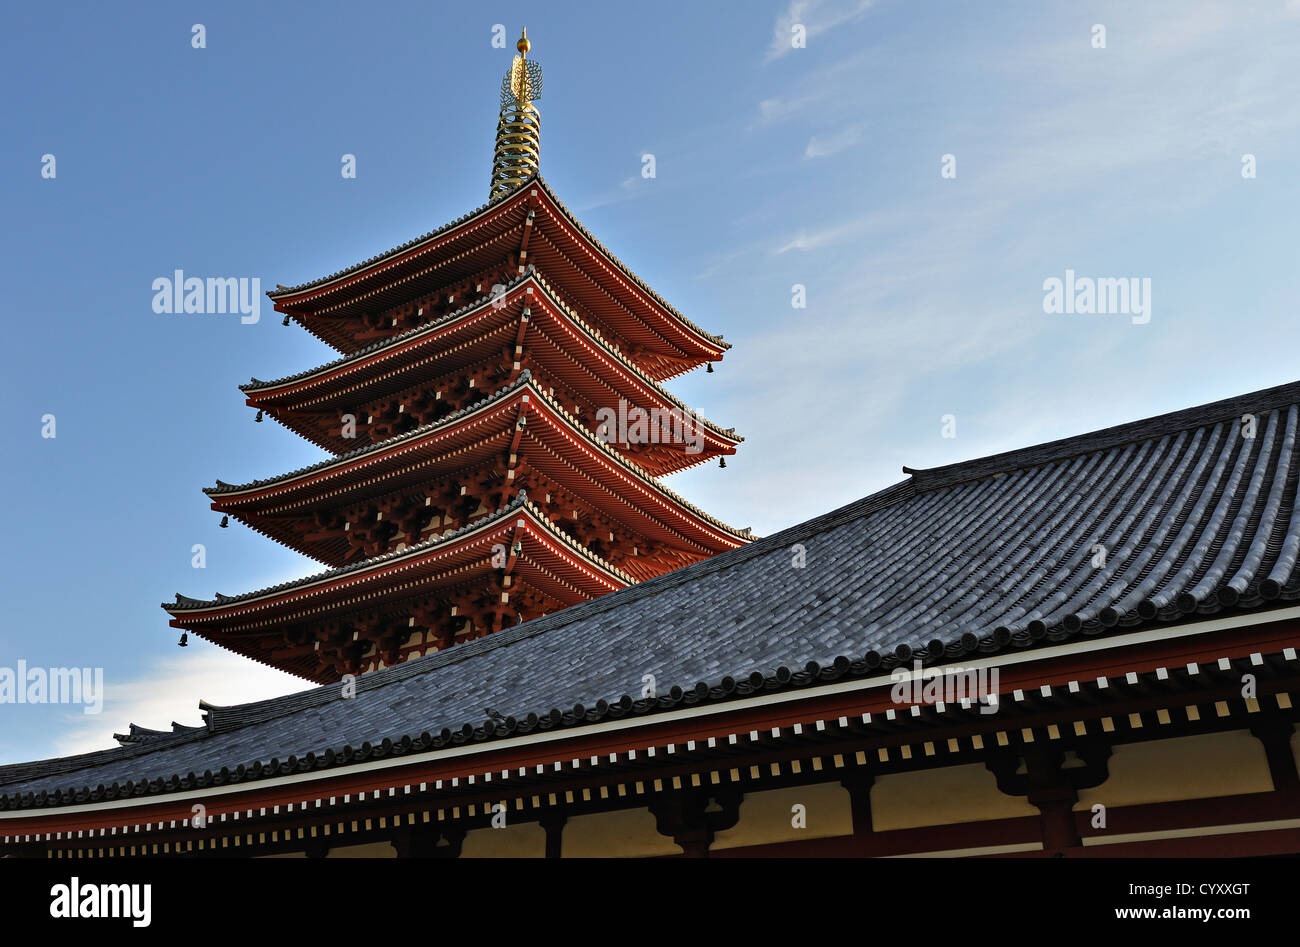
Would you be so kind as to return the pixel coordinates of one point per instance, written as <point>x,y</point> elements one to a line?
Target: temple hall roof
<point>1153,524</point>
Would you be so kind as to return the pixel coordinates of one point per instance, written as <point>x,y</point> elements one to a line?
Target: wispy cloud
<point>933,296</point>
<point>822,146</point>
<point>628,189</point>
<point>780,107</point>
<point>818,239</point>
<point>819,93</point>
<point>821,238</point>
<point>720,262</point>
<point>816,17</point>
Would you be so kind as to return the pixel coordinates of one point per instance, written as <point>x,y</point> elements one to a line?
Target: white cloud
<point>169,689</point>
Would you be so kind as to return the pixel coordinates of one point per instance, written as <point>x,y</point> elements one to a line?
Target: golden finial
<point>519,125</point>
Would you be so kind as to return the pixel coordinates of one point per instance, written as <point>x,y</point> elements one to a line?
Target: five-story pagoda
<point>498,427</point>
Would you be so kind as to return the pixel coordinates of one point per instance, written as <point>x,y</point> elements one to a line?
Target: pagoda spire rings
<point>517,156</point>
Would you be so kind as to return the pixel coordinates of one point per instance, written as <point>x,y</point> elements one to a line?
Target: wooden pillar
<point>553,823</point>
<point>859,786</point>
<point>1055,804</point>
<point>695,841</point>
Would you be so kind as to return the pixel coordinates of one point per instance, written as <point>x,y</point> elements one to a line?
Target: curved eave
<point>724,535</point>
<point>696,529</point>
<point>328,592</point>
<point>330,379</point>
<point>268,391</point>
<point>675,329</point>
<point>40,789</point>
<point>710,346</point>
<point>307,295</point>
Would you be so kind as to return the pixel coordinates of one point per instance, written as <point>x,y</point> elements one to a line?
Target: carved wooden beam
<point>1050,786</point>
<point>692,817</point>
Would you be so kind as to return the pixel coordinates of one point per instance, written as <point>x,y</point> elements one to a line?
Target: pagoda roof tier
<point>560,345</point>
<point>668,343</point>
<point>552,443</point>
<point>544,559</point>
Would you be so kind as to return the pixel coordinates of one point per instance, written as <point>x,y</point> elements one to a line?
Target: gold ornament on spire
<point>518,146</point>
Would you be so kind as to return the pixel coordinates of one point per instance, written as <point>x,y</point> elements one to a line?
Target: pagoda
<point>497,425</point>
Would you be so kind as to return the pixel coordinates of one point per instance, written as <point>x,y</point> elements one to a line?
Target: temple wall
<point>525,840</point>
<point>628,833</point>
<point>766,816</point>
<point>1195,767</point>
<point>952,794</point>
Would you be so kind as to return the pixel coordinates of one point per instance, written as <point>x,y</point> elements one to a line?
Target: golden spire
<point>518,144</point>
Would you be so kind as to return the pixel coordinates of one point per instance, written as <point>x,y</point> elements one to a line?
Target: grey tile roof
<point>991,555</point>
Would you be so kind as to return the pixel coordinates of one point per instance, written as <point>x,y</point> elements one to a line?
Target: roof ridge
<point>1036,455</point>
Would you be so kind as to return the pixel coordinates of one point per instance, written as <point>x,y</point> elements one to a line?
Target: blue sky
<point>775,166</point>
